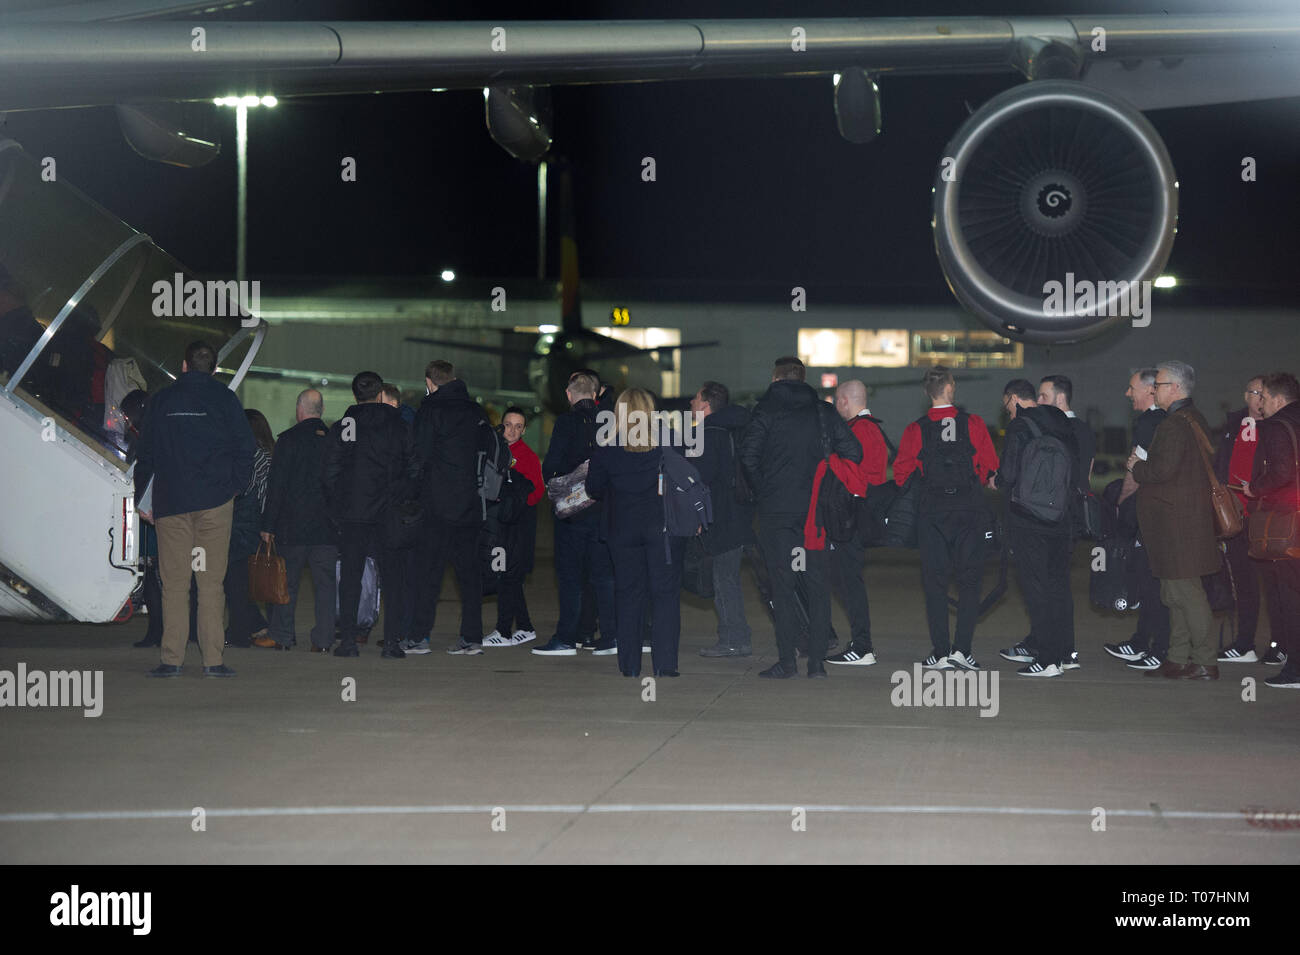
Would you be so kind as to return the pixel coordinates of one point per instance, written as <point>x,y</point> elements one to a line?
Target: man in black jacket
<point>580,554</point>
<point>366,459</point>
<point>1275,485</point>
<point>780,453</point>
<point>733,521</point>
<point>1041,547</point>
<point>198,447</point>
<point>296,519</point>
<point>451,428</point>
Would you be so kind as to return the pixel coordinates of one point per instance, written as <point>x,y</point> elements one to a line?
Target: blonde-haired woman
<point>625,473</point>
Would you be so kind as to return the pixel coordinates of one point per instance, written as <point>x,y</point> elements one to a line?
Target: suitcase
<point>1111,585</point>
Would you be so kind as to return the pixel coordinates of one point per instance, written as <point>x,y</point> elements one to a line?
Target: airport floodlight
<point>448,275</point>
<point>1166,281</point>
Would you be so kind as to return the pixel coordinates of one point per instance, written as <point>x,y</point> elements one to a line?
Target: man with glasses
<point>1149,646</point>
<point>1177,524</point>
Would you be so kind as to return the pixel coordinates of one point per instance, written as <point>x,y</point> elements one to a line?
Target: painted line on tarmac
<point>576,809</point>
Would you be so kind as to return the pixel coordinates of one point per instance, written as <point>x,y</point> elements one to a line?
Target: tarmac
<point>512,757</point>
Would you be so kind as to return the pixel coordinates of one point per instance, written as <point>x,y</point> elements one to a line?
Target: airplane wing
<point>1154,60</point>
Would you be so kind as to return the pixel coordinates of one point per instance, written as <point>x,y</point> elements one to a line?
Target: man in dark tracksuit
<point>580,554</point>
<point>367,455</point>
<point>733,521</point>
<point>1149,646</point>
<point>780,453</point>
<point>296,518</point>
<point>451,429</point>
<point>198,447</point>
<point>953,522</point>
<point>1041,549</point>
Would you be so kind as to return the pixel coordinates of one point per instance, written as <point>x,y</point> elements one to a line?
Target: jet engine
<point>1050,202</point>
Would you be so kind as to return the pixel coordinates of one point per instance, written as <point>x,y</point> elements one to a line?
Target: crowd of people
<point>801,486</point>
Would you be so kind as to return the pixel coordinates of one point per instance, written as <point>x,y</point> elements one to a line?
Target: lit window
<point>880,348</point>
<point>966,349</point>
<point>826,347</point>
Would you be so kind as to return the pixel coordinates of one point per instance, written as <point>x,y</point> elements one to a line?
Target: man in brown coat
<point>1177,522</point>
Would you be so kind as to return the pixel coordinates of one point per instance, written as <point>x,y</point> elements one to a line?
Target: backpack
<point>493,465</point>
<point>688,506</point>
<point>837,508</point>
<point>946,471</point>
<point>1045,487</point>
<point>874,509</point>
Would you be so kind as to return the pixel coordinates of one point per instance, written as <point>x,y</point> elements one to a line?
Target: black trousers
<point>1043,565</point>
<point>320,558</point>
<point>357,542</point>
<point>844,566</point>
<point>781,538</point>
<point>952,545</point>
<point>442,544</point>
<point>644,578</point>
<point>1245,579</point>
<point>1270,587</point>
<point>512,605</point>
<point>1153,616</point>
<point>246,617</point>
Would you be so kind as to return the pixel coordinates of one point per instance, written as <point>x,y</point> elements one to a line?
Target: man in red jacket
<point>845,560</point>
<point>952,455</point>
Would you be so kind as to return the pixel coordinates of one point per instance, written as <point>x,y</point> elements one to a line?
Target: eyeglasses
<point>1257,394</point>
<point>1159,383</point>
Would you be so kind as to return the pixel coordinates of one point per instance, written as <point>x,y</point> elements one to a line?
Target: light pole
<point>242,105</point>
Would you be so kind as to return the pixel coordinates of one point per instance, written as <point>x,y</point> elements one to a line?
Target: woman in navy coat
<point>625,473</point>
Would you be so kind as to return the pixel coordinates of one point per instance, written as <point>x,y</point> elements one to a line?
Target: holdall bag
<point>1275,535</point>
<point>268,583</point>
<point>1228,521</point>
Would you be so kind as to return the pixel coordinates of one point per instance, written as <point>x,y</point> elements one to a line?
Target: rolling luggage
<point>1111,585</point>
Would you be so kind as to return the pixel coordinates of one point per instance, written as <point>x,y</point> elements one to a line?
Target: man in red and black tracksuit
<point>952,455</point>
<point>845,560</point>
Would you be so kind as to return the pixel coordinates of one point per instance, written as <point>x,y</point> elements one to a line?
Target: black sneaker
<point>936,662</point>
<point>1071,661</point>
<point>779,671</point>
<point>1017,654</point>
<point>555,648</point>
<point>393,652</point>
<point>604,648</point>
<point>721,649</point>
<point>164,670</point>
<point>220,670</point>
<point>1275,656</point>
<point>347,650</point>
<point>816,671</point>
<point>1037,669</point>
<point>851,657</point>
<point>1124,651</point>
<point>1149,661</point>
<point>1288,679</point>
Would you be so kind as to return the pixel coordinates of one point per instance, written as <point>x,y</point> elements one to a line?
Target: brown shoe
<point>1197,672</point>
<point>264,642</point>
<point>1168,669</point>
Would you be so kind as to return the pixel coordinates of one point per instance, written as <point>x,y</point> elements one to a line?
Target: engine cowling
<point>1054,182</point>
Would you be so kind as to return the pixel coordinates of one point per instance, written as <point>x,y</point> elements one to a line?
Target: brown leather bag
<point>267,581</point>
<point>1275,535</point>
<point>1228,521</point>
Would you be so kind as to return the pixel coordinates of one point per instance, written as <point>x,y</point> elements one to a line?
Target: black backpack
<point>873,516</point>
<point>688,506</point>
<point>947,474</point>
<point>493,464</point>
<point>837,509</point>
<point>1045,487</point>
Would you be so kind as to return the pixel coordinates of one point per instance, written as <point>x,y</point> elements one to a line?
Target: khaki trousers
<point>196,542</point>
<point>1191,622</point>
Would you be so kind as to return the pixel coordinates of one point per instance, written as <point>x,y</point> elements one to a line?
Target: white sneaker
<point>522,636</point>
<point>1233,655</point>
<point>936,662</point>
<point>494,639</point>
<point>1037,669</point>
<point>961,661</point>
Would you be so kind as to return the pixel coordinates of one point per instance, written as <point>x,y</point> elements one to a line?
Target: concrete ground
<point>511,757</point>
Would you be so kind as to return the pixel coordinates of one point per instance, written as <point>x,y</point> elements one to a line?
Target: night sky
<point>754,182</point>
